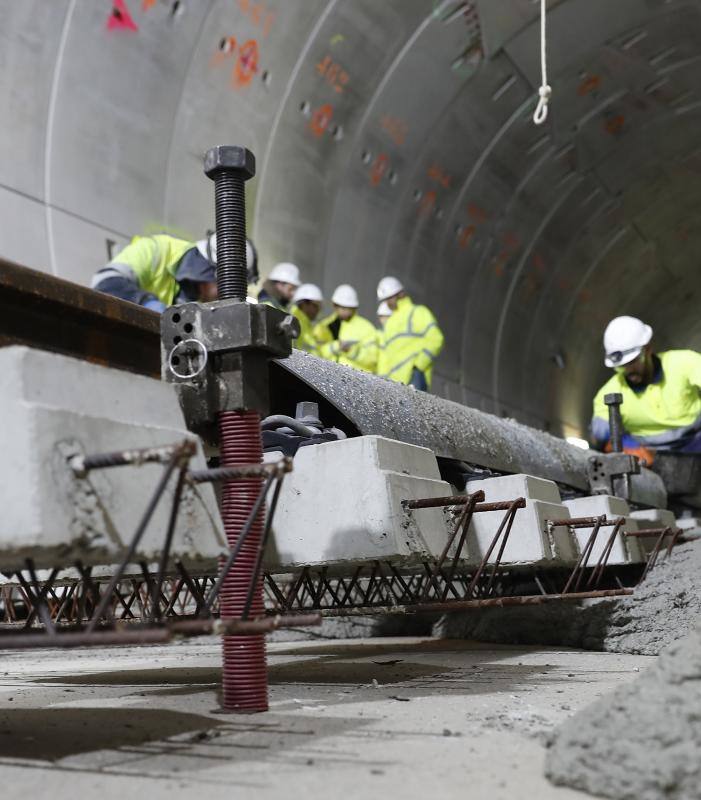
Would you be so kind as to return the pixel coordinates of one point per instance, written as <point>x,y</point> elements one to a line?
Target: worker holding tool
<point>280,286</point>
<point>661,407</point>
<point>345,336</point>
<point>412,339</point>
<point>306,305</point>
<point>160,271</point>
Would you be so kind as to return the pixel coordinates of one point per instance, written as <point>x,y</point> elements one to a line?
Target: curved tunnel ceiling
<point>391,137</point>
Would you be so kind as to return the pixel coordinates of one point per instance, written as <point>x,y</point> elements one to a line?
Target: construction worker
<point>306,305</point>
<point>160,271</point>
<point>280,285</point>
<point>661,407</point>
<point>384,312</point>
<point>412,339</point>
<point>345,336</point>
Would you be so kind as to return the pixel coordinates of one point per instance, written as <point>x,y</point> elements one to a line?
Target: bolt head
<point>230,158</point>
<point>613,399</point>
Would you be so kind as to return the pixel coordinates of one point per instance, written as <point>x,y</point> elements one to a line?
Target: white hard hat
<point>285,273</point>
<point>208,249</point>
<point>383,310</point>
<point>308,291</point>
<point>388,287</point>
<point>345,296</point>
<point>624,338</point>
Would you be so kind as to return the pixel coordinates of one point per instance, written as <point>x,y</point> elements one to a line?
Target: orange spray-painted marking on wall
<point>589,84</point>
<point>437,173</point>
<point>321,119</point>
<point>614,125</point>
<point>246,65</point>
<point>395,127</point>
<point>379,168</point>
<point>428,203</point>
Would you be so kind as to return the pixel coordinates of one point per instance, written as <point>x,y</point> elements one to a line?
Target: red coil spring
<point>245,678</point>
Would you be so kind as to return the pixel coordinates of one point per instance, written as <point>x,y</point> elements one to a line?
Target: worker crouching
<point>661,407</point>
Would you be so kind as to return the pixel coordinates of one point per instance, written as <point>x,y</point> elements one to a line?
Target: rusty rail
<point>49,313</point>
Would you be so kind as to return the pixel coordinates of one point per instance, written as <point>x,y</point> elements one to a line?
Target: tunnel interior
<point>391,138</point>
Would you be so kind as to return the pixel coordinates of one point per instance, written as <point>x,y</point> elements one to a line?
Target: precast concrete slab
<point>342,505</point>
<point>626,549</point>
<point>652,518</point>
<point>530,541</point>
<point>54,407</point>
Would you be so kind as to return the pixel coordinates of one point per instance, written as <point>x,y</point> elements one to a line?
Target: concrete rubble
<point>642,741</point>
<point>665,607</point>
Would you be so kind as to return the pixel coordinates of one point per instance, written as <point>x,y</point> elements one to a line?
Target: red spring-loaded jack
<point>245,680</point>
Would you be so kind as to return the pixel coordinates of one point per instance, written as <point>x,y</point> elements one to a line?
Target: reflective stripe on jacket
<point>306,340</point>
<point>663,412</point>
<point>361,332</point>
<point>411,339</point>
<point>151,262</point>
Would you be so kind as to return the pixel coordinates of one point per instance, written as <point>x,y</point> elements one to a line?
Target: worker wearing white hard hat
<point>661,407</point>
<point>345,336</point>
<point>384,312</point>
<point>306,305</point>
<point>280,285</point>
<point>411,339</point>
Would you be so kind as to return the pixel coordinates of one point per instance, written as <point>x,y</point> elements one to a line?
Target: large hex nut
<point>227,157</point>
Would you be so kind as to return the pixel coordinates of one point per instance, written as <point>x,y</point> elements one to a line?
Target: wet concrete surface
<point>364,718</point>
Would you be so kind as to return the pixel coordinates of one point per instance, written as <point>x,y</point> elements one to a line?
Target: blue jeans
<point>418,380</point>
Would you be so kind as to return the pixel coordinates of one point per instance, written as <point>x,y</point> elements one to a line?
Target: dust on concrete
<point>664,608</point>
<point>642,741</point>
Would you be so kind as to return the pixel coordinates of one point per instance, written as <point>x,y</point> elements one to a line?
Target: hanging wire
<point>544,92</point>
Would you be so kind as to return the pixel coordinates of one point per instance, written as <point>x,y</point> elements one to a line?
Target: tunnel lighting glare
<point>577,442</point>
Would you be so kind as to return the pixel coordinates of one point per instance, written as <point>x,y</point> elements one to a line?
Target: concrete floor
<point>357,718</point>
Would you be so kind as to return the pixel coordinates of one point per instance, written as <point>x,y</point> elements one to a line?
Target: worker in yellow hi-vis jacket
<point>345,336</point>
<point>661,392</point>
<point>306,304</point>
<point>411,339</point>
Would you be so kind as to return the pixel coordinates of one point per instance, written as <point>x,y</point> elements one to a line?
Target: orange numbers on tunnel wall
<point>333,73</point>
<point>439,175</point>
<point>395,127</point>
<point>259,14</point>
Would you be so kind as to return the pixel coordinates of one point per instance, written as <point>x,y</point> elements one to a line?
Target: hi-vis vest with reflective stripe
<point>663,412</point>
<point>411,338</point>
<point>154,259</point>
<point>363,353</point>
<point>306,340</point>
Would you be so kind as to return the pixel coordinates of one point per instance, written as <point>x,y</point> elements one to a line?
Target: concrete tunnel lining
<point>523,240</point>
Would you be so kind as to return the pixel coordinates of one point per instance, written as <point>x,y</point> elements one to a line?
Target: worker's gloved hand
<point>418,380</point>
<point>155,305</point>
